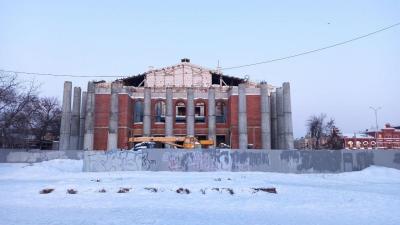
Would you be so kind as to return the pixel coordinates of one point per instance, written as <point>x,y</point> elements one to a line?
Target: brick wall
<point>125,117</point>
<point>101,120</point>
<point>253,105</point>
<point>127,128</point>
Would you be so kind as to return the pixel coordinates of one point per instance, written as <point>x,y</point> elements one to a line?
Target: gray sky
<point>125,38</point>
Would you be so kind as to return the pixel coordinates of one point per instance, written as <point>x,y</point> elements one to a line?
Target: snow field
<point>370,196</point>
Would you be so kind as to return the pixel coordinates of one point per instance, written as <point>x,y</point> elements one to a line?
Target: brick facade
<point>127,127</point>
<point>139,108</point>
<point>386,138</point>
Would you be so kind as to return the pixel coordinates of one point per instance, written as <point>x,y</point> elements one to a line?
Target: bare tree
<point>335,139</point>
<point>319,129</point>
<point>8,85</point>
<point>17,104</point>
<point>46,119</point>
<point>315,125</point>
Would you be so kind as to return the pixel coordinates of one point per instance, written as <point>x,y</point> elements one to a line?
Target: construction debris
<point>46,191</point>
<point>269,190</point>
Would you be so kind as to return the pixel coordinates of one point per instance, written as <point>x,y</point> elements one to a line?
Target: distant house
<point>359,141</point>
<point>303,143</point>
<point>308,142</point>
<point>386,138</point>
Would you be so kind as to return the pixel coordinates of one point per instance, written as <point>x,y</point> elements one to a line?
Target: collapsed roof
<point>175,76</point>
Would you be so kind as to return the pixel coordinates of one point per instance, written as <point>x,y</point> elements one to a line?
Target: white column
<point>265,117</point>
<point>65,128</point>
<point>242,117</point>
<point>190,112</point>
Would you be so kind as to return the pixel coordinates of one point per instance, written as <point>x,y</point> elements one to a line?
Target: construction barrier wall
<point>205,160</point>
<point>284,161</point>
<point>33,156</point>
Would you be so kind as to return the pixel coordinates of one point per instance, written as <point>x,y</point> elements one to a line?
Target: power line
<point>225,68</point>
<point>56,75</point>
<point>70,75</point>
<point>314,50</point>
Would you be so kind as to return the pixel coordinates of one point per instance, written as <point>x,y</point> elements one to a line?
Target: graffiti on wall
<point>237,160</point>
<point>176,160</point>
<point>249,160</point>
<point>148,164</point>
<point>197,160</point>
<point>115,160</point>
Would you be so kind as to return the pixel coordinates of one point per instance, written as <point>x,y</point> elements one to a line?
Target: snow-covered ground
<point>371,196</point>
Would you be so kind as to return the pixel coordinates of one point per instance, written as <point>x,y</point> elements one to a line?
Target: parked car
<point>144,145</point>
<point>223,146</point>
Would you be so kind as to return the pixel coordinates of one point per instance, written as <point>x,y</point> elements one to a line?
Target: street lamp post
<point>375,109</point>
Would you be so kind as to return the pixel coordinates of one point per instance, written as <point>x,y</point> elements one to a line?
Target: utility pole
<point>218,72</point>
<point>375,109</point>
<point>376,115</point>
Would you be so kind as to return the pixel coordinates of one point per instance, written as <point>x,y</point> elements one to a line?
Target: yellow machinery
<point>189,142</point>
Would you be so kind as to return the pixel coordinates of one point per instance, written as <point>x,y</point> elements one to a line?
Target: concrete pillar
<point>265,117</point>
<point>274,122</point>
<point>147,112</point>
<point>65,129</point>
<point>169,112</point>
<point>112,142</point>
<point>232,133</point>
<point>82,120</point>
<point>89,118</point>
<point>287,111</point>
<point>190,112</point>
<point>211,115</point>
<point>75,120</point>
<point>242,117</point>
<point>280,118</point>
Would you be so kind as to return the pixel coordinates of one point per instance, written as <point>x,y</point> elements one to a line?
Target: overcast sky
<point>125,38</point>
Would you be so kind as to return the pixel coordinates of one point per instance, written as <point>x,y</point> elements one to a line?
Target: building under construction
<point>175,101</point>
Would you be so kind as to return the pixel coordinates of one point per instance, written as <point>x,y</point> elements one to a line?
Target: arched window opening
<point>220,112</point>
<point>180,112</point>
<point>160,112</point>
<point>358,144</point>
<point>138,111</point>
<point>199,112</point>
<point>350,144</point>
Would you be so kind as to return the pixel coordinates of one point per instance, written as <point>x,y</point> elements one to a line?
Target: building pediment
<point>184,74</point>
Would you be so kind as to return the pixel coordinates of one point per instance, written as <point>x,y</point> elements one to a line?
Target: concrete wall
<point>115,160</point>
<point>32,156</point>
<point>285,161</point>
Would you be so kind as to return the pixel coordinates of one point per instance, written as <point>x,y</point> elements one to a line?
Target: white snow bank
<point>371,174</point>
<point>375,171</point>
<point>365,197</point>
<point>60,165</point>
<point>41,169</point>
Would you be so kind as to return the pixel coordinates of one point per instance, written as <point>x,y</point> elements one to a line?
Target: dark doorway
<point>221,139</point>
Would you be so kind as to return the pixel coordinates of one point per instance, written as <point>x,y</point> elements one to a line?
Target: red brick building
<point>180,100</point>
<point>386,138</point>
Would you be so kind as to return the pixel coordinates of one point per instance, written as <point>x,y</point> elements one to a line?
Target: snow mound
<point>61,165</point>
<point>42,169</point>
<point>375,171</point>
<point>373,174</point>
<point>379,171</point>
